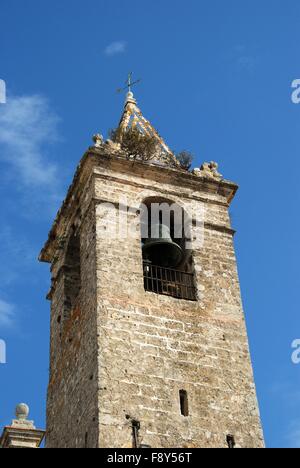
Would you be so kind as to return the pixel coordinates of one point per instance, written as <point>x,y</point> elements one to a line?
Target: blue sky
<point>216,81</point>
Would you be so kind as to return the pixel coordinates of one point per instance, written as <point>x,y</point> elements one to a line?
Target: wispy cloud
<point>287,394</point>
<point>7,315</point>
<point>293,436</point>
<point>28,127</point>
<point>242,59</point>
<point>18,256</point>
<point>115,48</point>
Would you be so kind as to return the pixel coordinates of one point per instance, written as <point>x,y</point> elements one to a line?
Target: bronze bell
<point>161,250</point>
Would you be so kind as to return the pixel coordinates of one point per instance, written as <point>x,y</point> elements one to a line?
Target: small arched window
<point>167,261</point>
<point>72,275</point>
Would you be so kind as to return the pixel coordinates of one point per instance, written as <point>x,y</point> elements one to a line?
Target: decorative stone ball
<point>22,411</point>
<point>130,98</point>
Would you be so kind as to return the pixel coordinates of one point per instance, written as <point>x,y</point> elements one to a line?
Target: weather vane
<point>129,84</point>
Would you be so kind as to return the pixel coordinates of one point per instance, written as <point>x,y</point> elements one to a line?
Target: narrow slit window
<point>231,441</point>
<point>184,404</point>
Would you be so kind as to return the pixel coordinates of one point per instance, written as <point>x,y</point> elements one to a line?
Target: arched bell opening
<point>167,260</point>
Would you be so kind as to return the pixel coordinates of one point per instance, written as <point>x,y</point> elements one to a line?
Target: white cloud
<point>293,436</point>
<point>28,128</point>
<point>17,254</point>
<point>115,48</point>
<point>242,59</point>
<point>7,315</point>
<point>287,394</point>
<point>27,124</point>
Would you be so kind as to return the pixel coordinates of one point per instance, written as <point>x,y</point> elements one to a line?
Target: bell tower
<point>148,340</point>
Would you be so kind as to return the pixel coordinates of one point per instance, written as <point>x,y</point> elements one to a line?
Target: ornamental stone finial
<point>98,140</point>
<point>22,412</point>
<point>209,170</point>
<point>21,433</point>
<point>130,98</point>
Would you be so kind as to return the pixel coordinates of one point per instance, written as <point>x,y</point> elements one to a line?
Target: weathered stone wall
<point>151,346</point>
<point>72,409</point>
<point>72,275</point>
<point>125,353</point>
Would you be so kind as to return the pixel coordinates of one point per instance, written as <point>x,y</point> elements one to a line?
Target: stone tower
<point>143,352</point>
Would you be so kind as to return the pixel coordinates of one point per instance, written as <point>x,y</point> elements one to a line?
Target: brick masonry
<point>120,353</point>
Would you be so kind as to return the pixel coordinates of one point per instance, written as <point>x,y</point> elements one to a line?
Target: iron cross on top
<point>129,84</point>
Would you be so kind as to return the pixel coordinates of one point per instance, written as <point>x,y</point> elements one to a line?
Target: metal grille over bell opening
<point>160,249</point>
